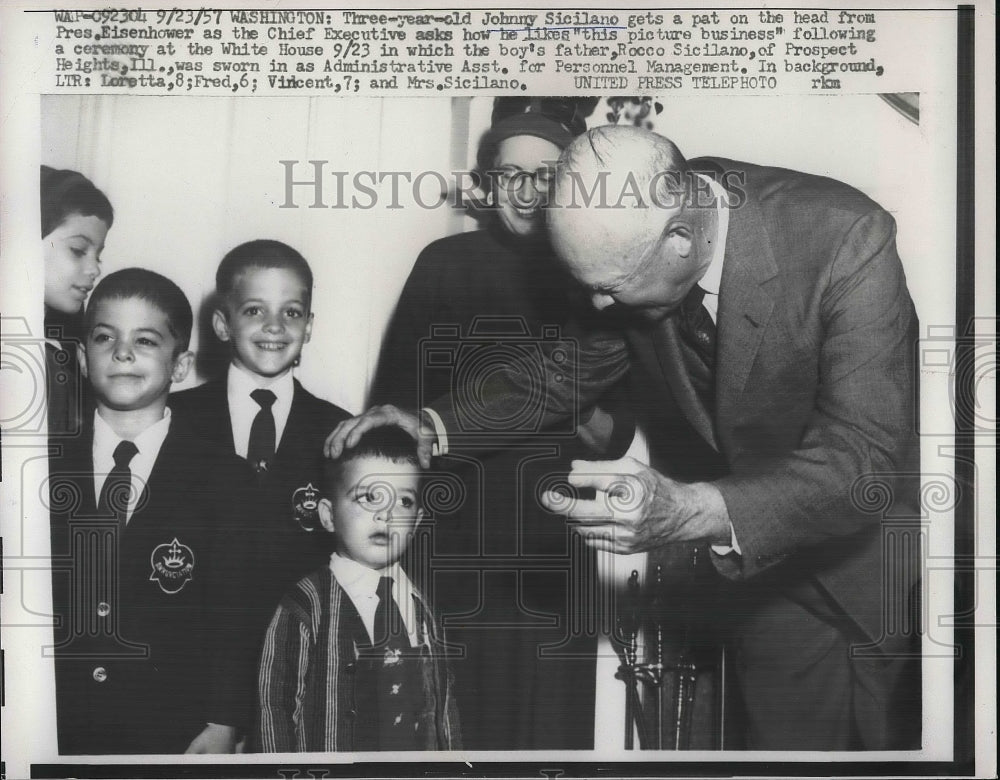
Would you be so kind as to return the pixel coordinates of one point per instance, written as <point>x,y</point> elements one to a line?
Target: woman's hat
<point>555,119</point>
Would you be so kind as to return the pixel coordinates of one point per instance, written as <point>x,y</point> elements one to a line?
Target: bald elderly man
<point>768,309</point>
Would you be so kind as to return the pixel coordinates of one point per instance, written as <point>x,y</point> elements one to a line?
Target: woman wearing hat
<point>527,678</point>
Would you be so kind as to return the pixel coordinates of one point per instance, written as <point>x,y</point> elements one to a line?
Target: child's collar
<point>240,383</point>
<point>238,374</point>
<point>128,425</point>
<point>356,577</point>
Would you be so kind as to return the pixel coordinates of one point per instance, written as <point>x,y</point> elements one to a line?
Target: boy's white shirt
<point>360,583</point>
<point>147,443</point>
<point>243,409</point>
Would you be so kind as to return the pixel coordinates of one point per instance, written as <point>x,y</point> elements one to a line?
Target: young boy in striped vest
<point>353,659</point>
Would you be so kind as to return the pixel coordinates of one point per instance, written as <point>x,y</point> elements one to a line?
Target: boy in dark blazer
<point>262,413</point>
<point>146,523</point>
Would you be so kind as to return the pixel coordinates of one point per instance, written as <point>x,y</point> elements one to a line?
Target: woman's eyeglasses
<point>513,178</point>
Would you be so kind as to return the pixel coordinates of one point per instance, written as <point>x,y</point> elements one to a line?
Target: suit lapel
<point>218,425</point>
<point>74,466</point>
<point>160,482</point>
<point>297,421</point>
<point>746,302</point>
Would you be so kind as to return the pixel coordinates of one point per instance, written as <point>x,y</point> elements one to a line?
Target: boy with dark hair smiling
<point>261,412</point>
<point>354,659</point>
<point>143,562</point>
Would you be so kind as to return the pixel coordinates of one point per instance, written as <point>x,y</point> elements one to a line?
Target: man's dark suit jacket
<point>146,645</point>
<point>286,552</point>
<point>815,388</point>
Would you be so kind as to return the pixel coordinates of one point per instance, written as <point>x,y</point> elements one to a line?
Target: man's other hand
<point>637,509</point>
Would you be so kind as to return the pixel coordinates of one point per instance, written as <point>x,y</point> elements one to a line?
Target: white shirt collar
<point>360,583</point>
<point>148,444</point>
<point>712,279</point>
<point>243,409</point>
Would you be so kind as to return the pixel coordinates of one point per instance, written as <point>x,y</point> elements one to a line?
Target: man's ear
<point>679,240</point>
<point>325,510</point>
<point>220,324</point>
<point>81,358</point>
<point>182,365</point>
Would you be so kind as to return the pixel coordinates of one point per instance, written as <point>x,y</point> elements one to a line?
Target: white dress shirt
<point>243,409</point>
<point>711,281</point>
<point>147,443</point>
<point>360,583</point>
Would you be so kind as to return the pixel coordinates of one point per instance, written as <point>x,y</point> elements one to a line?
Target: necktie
<point>260,449</point>
<point>399,695</point>
<point>697,326</point>
<point>117,488</point>
<point>389,629</point>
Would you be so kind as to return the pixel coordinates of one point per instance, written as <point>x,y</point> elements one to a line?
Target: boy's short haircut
<point>262,254</point>
<point>64,193</point>
<point>388,442</point>
<point>153,288</point>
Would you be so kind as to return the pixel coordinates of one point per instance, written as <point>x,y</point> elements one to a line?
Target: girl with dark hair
<point>75,219</point>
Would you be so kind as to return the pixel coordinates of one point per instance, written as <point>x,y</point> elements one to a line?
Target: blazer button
<point>100,674</point>
<point>103,609</point>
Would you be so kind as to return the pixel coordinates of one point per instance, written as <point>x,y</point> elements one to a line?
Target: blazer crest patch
<point>173,566</point>
<point>305,504</point>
